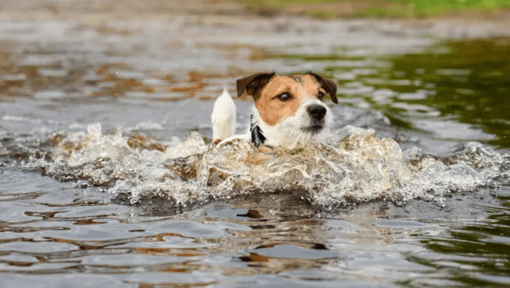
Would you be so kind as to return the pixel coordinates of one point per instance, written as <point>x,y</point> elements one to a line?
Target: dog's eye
<point>321,96</point>
<point>283,97</point>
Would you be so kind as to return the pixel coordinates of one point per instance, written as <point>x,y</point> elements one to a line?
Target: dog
<point>289,111</point>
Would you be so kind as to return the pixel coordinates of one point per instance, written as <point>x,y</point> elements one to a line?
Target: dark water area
<point>122,93</point>
<point>472,255</point>
<point>459,81</point>
<point>470,84</point>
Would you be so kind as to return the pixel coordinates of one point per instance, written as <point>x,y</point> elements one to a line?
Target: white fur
<point>286,134</point>
<point>223,117</point>
<point>289,134</point>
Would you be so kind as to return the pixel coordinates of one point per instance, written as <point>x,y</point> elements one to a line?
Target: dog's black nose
<point>317,111</point>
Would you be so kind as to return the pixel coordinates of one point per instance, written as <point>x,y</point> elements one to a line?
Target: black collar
<point>257,136</point>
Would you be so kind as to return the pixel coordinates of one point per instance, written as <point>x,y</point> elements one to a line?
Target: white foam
<point>357,168</point>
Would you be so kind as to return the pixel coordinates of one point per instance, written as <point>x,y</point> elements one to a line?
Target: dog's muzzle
<point>317,113</point>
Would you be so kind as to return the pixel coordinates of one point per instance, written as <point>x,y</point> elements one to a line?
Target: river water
<point>107,176</point>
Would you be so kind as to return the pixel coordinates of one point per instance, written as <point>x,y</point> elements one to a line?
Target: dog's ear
<point>252,83</point>
<point>328,85</point>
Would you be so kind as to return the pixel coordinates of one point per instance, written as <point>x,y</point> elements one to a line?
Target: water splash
<point>357,168</point>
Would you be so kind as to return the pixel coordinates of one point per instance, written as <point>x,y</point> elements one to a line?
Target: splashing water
<point>357,168</point>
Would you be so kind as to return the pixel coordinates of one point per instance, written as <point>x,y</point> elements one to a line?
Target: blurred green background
<point>381,8</point>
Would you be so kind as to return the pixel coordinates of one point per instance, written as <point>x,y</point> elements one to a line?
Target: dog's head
<point>291,106</point>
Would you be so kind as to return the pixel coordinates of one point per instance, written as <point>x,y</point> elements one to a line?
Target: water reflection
<point>161,248</point>
<point>432,91</point>
<point>475,254</point>
<point>468,83</point>
<point>259,239</point>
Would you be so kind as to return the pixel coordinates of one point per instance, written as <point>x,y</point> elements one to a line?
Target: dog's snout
<point>317,111</point>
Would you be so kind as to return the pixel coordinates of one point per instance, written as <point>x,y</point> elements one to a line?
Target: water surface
<point>60,77</point>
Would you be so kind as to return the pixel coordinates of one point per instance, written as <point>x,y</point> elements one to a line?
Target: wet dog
<point>289,110</point>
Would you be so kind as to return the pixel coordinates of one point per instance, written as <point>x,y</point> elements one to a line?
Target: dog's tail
<point>223,117</point>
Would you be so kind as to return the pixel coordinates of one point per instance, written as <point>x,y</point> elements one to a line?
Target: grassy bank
<point>378,8</point>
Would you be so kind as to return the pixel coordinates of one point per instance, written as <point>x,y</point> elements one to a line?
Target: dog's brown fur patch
<point>299,87</point>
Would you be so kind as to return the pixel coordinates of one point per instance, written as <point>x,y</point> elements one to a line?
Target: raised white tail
<point>223,117</point>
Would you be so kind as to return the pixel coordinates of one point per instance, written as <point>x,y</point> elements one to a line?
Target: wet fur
<point>294,131</point>
<point>286,124</point>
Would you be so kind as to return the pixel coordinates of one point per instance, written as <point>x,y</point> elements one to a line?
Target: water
<point>358,168</point>
<point>107,176</point>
